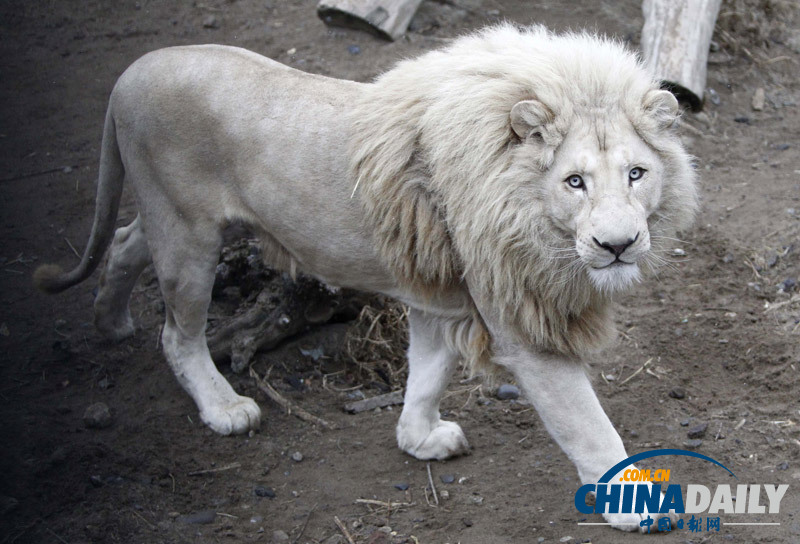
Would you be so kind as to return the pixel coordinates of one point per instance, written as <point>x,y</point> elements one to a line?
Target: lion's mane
<point>448,190</point>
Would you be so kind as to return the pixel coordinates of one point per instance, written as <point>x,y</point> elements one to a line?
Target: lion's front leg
<point>421,432</point>
<point>562,394</point>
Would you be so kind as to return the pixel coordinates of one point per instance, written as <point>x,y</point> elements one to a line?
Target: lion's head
<point>540,169</point>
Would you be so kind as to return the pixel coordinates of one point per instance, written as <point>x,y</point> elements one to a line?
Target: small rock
<point>728,258</point>
<point>467,522</point>
<point>97,416</point>
<point>211,22</point>
<point>796,475</point>
<point>782,147</point>
<point>477,499</point>
<point>714,97</point>
<point>634,433</point>
<point>279,536</point>
<point>693,443</point>
<point>678,252</point>
<point>353,49</point>
<point>684,423</point>
<point>507,392</point>
<point>264,491</point>
<point>444,494</point>
<point>199,518</point>
<point>402,486</point>
<point>256,519</point>
<point>95,480</point>
<point>565,539</point>
<point>742,119</point>
<point>788,284</point>
<point>758,99</point>
<point>447,478</point>
<point>783,466</point>
<point>772,261</point>
<point>297,457</point>
<point>291,51</point>
<point>677,393</point>
<point>67,170</point>
<point>540,539</point>
<point>463,480</point>
<point>698,431</point>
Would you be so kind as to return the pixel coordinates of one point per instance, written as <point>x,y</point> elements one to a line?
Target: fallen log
<point>387,19</point>
<point>675,40</point>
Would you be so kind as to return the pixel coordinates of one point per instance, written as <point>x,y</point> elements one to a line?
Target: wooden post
<point>675,41</point>
<point>385,18</point>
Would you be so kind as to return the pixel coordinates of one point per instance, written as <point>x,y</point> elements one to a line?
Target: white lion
<point>503,187</point>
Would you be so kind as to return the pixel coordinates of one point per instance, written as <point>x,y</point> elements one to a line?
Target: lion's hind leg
<point>128,256</point>
<point>185,257</point>
<point>421,432</point>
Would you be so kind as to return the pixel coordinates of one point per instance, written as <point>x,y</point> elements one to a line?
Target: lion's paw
<point>446,439</point>
<point>115,328</point>
<point>237,417</point>
<point>633,522</point>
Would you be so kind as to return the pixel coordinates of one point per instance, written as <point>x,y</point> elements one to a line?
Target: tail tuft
<point>49,278</point>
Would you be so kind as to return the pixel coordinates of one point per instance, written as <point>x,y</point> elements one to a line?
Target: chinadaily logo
<point>624,489</point>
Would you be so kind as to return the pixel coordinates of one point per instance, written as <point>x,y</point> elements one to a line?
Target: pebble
<point>742,119</point>
<point>788,284</point>
<point>684,423</point>
<point>507,392</point>
<point>677,393</point>
<point>279,536</point>
<point>693,443</point>
<point>477,499</point>
<point>211,22</point>
<point>264,491</point>
<point>97,416</point>
<point>297,457</point>
<point>447,478</point>
<point>783,466</point>
<point>200,518</point>
<point>467,522</point>
<point>402,486</point>
<point>353,49</point>
<point>728,258</point>
<point>714,97</point>
<point>678,252</point>
<point>444,494</point>
<point>698,431</point>
<point>540,539</point>
<point>565,539</point>
<point>772,261</point>
<point>758,100</point>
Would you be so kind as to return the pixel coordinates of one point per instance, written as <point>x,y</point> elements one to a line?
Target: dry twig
<point>433,487</point>
<point>344,530</point>
<point>290,407</point>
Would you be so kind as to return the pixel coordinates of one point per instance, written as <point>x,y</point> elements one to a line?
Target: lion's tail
<point>51,278</point>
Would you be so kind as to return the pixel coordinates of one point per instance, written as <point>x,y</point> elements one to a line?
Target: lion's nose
<point>616,249</point>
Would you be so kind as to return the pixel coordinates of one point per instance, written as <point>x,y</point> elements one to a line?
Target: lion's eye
<point>575,181</point>
<point>636,174</point>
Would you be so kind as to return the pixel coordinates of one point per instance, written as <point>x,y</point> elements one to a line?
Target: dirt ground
<point>721,323</point>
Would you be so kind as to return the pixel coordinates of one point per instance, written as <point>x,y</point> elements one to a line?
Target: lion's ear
<point>528,118</point>
<point>662,106</point>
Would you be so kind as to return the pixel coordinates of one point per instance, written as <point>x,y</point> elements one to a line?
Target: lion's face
<point>602,187</point>
<point>601,183</point>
